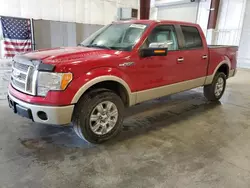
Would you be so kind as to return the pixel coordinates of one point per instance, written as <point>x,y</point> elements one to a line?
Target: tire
<point>210,90</point>
<point>109,123</point>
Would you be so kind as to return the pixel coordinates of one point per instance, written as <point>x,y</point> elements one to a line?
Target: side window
<point>192,37</point>
<point>163,33</point>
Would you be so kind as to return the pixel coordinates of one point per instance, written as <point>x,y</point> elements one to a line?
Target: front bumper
<point>57,115</point>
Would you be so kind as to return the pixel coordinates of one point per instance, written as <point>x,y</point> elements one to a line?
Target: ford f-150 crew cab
<point>120,65</point>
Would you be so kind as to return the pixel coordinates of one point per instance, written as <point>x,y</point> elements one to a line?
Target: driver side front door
<point>157,71</point>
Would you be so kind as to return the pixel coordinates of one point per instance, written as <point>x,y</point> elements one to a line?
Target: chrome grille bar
<point>21,67</point>
<point>19,70</point>
<point>24,77</point>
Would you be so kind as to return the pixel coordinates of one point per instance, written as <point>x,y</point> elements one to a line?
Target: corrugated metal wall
<point>49,34</point>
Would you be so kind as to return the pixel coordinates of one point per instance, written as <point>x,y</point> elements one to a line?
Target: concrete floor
<point>177,141</point>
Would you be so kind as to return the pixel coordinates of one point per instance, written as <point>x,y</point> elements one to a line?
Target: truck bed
<point>219,53</point>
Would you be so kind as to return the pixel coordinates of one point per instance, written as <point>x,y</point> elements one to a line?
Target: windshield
<point>116,36</point>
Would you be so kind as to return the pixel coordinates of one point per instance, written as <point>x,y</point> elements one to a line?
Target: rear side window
<point>192,37</point>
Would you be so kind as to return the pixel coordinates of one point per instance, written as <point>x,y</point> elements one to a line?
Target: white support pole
<point>210,36</point>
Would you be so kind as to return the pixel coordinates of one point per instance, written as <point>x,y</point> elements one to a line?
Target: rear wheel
<point>214,91</point>
<point>98,116</point>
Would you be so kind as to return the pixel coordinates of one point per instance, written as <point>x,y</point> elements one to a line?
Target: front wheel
<point>98,116</point>
<point>214,91</point>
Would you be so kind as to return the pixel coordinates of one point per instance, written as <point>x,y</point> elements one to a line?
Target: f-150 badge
<point>127,64</point>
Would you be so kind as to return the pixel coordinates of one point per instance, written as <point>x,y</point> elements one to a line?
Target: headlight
<point>52,81</point>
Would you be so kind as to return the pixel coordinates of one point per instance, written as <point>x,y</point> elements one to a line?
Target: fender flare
<point>209,79</point>
<point>226,61</point>
<point>100,79</point>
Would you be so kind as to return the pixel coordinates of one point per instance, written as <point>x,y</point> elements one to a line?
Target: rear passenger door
<point>194,53</point>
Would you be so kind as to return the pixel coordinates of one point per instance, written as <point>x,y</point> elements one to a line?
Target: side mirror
<point>156,49</point>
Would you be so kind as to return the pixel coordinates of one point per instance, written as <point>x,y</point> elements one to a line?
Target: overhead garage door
<point>182,12</point>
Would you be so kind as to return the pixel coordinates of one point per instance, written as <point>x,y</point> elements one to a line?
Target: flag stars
<point>16,28</point>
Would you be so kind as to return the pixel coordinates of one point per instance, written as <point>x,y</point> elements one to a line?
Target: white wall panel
<point>230,20</point>
<point>172,2</point>
<point>203,14</point>
<point>109,9</point>
<point>86,12</point>
<point>230,14</point>
<point>184,12</point>
<point>29,8</point>
<point>244,49</point>
<point>68,10</point>
<point>10,8</point>
<point>97,12</point>
<point>153,10</point>
<point>50,10</point>
<point>128,3</point>
<point>80,11</point>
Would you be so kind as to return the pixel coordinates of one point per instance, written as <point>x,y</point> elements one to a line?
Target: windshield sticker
<point>138,26</point>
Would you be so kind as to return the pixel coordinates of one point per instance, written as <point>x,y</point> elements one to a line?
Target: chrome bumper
<point>57,115</point>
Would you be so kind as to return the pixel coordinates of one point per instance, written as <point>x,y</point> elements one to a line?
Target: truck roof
<point>158,21</point>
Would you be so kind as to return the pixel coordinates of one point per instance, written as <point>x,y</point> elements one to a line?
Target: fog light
<point>42,115</point>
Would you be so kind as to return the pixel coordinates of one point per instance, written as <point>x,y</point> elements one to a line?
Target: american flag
<point>17,35</point>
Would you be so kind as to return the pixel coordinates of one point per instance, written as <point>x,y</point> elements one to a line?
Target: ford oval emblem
<point>16,73</point>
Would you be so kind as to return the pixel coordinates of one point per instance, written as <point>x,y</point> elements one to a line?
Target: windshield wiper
<point>98,46</point>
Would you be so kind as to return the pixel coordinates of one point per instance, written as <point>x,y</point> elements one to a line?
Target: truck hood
<point>59,55</point>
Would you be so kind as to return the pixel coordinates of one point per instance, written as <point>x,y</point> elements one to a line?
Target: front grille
<point>23,77</point>
<point>17,83</point>
<point>21,66</point>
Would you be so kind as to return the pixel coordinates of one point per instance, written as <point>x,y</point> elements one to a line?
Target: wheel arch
<point>114,83</point>
<point>223,66</point>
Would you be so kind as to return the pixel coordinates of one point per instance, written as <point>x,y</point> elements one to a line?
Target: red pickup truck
<point>120,65</point>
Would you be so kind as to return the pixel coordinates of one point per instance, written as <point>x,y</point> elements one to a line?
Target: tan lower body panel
<point>209,79</point>
<point>232,73</point>
<point>149,94</point>
<point>169,89</point>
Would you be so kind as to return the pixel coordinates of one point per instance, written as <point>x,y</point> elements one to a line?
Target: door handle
<point>180,60</point>
<point>204,57</point>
